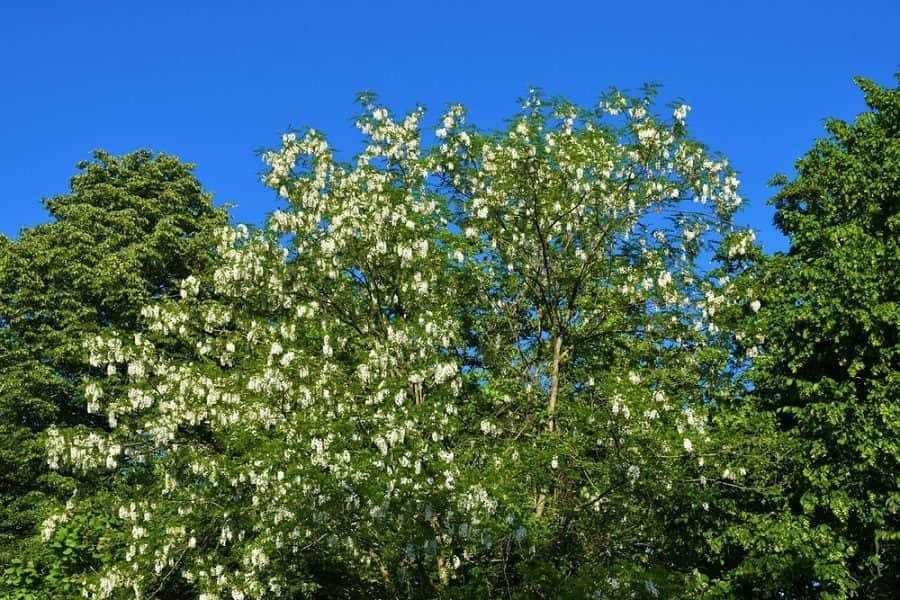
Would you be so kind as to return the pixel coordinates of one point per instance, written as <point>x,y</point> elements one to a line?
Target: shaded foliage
<point>128,230</point>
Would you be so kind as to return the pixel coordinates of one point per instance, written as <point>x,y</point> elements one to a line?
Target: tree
<point>464,369</point>
<point>130,228</point>
<point>829,372</point>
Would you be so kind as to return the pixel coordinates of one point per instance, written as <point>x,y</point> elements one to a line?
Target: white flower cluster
<point>319,388</point>
<point>741,243</point>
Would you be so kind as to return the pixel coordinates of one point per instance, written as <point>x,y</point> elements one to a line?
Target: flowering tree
<point>466,367</point>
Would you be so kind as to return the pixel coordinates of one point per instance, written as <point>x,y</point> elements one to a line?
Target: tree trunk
<point>551,408</point>
<point>554,383</point>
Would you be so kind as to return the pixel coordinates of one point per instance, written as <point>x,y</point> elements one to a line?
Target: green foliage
<point>130,227</point>
<point>469,369</point>
<point>829,373</point>
<point>498,366</point>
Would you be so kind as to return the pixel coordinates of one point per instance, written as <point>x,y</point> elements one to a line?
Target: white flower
<point>755,305</point>
<point>681,112</point>
<point>554,462</point>
<point>49,526</point>
<point>189,287</point>
<point>688,445</point>
<point>665,278</point>
<point>93,392</point>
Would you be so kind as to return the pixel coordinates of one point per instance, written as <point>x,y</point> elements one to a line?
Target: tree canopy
<point>540,361</point>
<point>830,313</point>
<point>129,230</point>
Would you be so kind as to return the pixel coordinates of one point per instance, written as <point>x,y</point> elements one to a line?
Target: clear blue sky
<point>213,81</point>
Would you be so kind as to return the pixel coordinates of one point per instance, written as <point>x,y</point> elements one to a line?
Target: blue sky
<point>213,81</point>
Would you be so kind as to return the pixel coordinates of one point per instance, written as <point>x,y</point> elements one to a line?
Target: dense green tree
<point>128,230</point>
<point>829,371</point>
